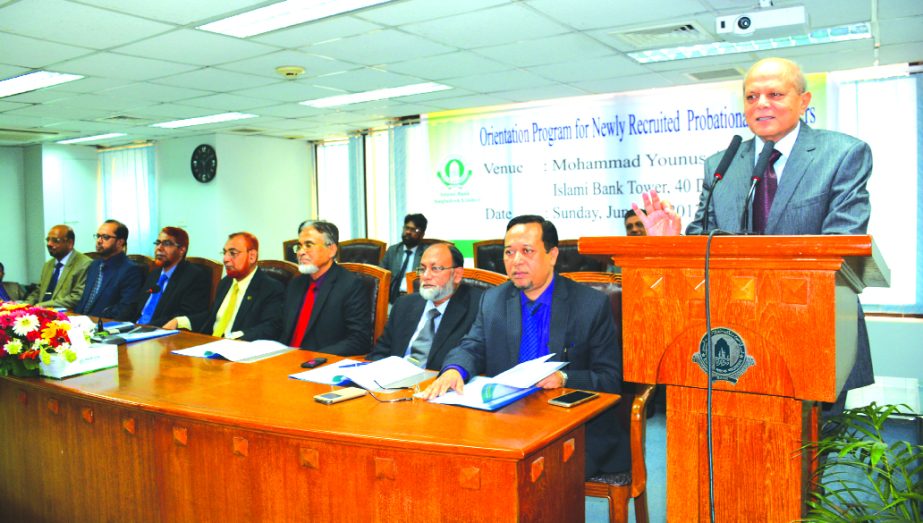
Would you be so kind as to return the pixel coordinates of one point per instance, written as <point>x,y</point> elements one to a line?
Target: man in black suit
<point>177,287</point>
<point>327,308</point>
<point>537,313</point>
<point>248,303</point>
<point>113,281</point>
<point>404,257</point>
<point>423,326</point>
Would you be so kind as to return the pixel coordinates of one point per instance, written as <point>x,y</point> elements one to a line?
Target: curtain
<point>128,190</point>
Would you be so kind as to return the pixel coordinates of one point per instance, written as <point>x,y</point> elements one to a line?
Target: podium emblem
<point>729,358</point>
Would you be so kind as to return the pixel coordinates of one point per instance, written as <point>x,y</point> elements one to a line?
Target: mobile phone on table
<point>348,393</point>
<point>570,399</point>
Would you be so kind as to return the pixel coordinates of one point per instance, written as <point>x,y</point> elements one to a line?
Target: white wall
<point>12,181</point>
<point>69,175</point>
<point>263,186</point>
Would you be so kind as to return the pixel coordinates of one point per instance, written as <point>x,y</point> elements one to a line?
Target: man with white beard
<point>327,308</point>
<point>423,326</point>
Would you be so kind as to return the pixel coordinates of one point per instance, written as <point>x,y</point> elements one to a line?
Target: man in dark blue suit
<point>113,281</point>
<point>536,313</point>
<point>424,325</point>
<point>248,303</point>
<point>820,179</point>
<point>176,287</point>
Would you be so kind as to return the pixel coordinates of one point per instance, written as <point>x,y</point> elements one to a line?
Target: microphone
<point>719,175</point>
<point>761,162</point>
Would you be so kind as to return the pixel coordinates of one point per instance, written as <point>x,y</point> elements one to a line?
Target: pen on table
<point>354,364</point>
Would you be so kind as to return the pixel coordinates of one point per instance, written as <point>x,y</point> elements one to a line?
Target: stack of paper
<point>389,373</point>
<point>235,350</point>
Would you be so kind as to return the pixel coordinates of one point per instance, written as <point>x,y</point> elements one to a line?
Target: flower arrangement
<point>29,335</point>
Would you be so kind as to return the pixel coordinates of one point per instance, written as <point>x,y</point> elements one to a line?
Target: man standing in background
<point>404,257</point>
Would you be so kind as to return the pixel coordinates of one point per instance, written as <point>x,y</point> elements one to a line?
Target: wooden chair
<point>287,253</point>
<point>214,269</point>
<point>281,270</point>
<point>145,262</point>
<point>474,277</point>
<point>570,260</point>
<point>378,281</point>
<point>488,255</point>
<point>632,415</point>
<point>362,250</point>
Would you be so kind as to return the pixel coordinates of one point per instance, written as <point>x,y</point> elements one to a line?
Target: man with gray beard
<point>327,309</point>
<point>423,326</point>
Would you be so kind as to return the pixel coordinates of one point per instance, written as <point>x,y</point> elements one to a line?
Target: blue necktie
<point>529,345</point>
<point>3,295</point>
<point>151,306</point>
<point>54,281</point>
<point>94,292</point>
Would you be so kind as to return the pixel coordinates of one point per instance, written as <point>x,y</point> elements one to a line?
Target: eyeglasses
<point>103,237</point>
<point>233,253</point>
<point>413,230</point>
<point>55,240</point>
<point>306,245</point>
<point>165,243</point>
<point>386,390</point>
<point>435,269</point>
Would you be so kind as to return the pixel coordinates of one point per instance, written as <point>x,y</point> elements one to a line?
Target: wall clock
<point>204,163</point>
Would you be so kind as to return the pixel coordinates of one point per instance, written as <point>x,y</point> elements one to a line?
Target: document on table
<point>388,373</point>
<point>236,350</point>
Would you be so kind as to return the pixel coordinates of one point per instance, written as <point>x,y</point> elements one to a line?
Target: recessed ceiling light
<point>91,138</point>
<point>35,80</point>
<point>821,36</point>
<point>202,120</point>
<point>378,94</point>
<point>283,14</point>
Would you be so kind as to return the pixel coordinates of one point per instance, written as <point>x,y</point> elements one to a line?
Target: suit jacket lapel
<point>65,274</point>
<point>453,314</point>
<point>46,277</point>
<point>247,302</point>
<point>172,286</point>
<point>732,191</point>
<point>796,168</point>
<point>560,314</point>
<point>514,325</point>
<point>320,296</point>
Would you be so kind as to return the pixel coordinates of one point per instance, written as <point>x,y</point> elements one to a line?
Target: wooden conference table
<point>174,438</point>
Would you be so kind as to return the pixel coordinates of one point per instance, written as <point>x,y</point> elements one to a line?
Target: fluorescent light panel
<point>378,94</point>
<point>821,36</point>
<point>202,120</point>
<point>35,80</point>
<point>91,138</point>
<point>283,14</point>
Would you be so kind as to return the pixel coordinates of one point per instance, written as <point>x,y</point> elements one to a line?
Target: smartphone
<point>348,393</point>
<point>313,362</point>
<point>570,399</point>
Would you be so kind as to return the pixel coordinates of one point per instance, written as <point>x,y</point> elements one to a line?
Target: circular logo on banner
<point>729,357</point>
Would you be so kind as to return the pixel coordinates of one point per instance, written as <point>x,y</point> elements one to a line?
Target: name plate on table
<point>90,358</point>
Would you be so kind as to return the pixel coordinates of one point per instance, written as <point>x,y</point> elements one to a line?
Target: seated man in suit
<point>815,182</point>
<point>327,308</point>
<point>64,275</point>
<point>404,257</point>
<point>423,326</point>
<point>535,313</point>
<point>248,303</point>
<point>113,281</point>
<point>176,287</point>
<point>9,291</point>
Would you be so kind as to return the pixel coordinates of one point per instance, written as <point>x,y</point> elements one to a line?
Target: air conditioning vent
<point>23,136</point>
<point>671,35</point>
<point>717,74</point>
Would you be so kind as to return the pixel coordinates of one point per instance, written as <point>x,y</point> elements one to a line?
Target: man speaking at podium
<point>814,182</point>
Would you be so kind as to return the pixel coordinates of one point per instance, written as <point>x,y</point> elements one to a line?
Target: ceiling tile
<point>97,28</point>
<point>555,49</point>
<point>499,25</point>
<point>229,102</point>
<point>196,47</point>
<point>180,12</point>
<point>589,69</point>
<point>398,13</point>
<point>593,14</point>
<point>213,79</point>
<point>500,81</point>
<point>364,80</point>
<point>314,65</point>
<point>113,65</point>
<point>449,65</point>
<point>315,32</point>
<point>154,93</point>
<point>289,91</point>
<point>379,47</point>
<point>35,53</point>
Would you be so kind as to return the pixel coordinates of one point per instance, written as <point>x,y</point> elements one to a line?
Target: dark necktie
<point>419,349</point>
<point>54,281</point>
<point>3,295</point>
<point>529,345</point>
<point>765,193</point>
<point>94,292</point>
<point>396,281</point>
<point>152,302</point>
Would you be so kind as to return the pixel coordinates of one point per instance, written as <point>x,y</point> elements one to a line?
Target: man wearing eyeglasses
<point>327,308</point>
<point>248,302</point>
<point>64,275</point>
<point>423,326</point>
<point>113,281</point>
<point>404,257</point>
<point>537,313</point>
<point>176,287</point>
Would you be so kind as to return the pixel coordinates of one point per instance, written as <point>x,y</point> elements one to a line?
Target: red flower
<point>34,335</point>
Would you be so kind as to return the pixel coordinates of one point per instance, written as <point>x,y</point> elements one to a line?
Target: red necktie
<point>304,316</point>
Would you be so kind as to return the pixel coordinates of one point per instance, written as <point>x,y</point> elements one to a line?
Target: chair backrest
<point>488,255</point>
<point>145,262</point>
<point>609,283</point>
<point>287,253</point>
<point>213,268</point>
<point>362,250</point>
<point>281,270</point>
<point>92,254</point>
<point>473,277</point>
<point>378,281</point>
<point>569,260</point>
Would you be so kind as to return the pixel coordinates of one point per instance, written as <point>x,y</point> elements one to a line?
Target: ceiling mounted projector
<point>763,23</point>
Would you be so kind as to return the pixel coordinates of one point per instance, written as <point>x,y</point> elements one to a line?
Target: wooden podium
<point>787,302</point>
